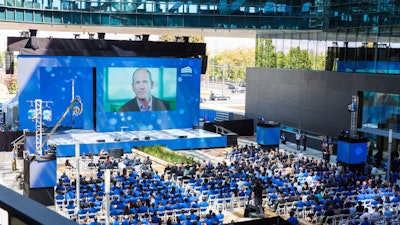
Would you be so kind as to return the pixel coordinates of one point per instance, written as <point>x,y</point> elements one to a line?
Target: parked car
<point>232,86</point>
<point>218,97</point>
<point>239,90</point>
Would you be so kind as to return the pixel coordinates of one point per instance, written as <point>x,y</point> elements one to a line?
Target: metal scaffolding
<point>354,116</point>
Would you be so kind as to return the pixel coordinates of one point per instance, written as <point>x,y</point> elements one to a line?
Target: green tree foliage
<point>12,89</point>
<point>265,53</point>
<point>2,55</point>
<point>317,61</point>
<point>166,155</point>
<point>297,59</point>
<point>169,38</point>
<point>232,63</point>
<point>280,60</point>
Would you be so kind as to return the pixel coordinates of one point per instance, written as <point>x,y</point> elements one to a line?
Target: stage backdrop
<point>104,84</point>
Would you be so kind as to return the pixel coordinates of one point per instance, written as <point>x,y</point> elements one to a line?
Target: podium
<point>352,151</point>
<point>268,133</point>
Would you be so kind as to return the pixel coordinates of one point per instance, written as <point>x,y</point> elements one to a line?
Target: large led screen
<point>116,92</point>
<point>121,86</point>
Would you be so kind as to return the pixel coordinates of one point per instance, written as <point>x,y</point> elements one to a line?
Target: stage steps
<point>223,116</point>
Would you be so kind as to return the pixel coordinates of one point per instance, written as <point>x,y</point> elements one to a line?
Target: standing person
<point>304,138</point>
<point>257,195</point>
<point>378,158</point>
<point>292,219</point>
<point>283,138</point>
<point>142,84</point>
<point>298,138</point>
<point>330,145</point>
<point>14,159</point>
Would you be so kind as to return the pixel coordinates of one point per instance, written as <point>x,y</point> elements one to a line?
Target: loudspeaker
<point>101,140</point>
<point>101,35</point>
<point>44,196</point>
<point>147,138</point>
<point>249,209</point>
<point>116,152</point>
<point>136,139</point>
<point>33,43</point>
<point>9,58</point>
<point>231,139</point>
<point>33,32</point>
<point>145,37</point>
<point>182,136</point>
<point>204,59</point>
<point>2,118</point>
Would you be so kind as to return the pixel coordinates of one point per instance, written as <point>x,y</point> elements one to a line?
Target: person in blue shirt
<point>208,220</point>
<point>203,204</point>
<point>115,220</point>
<point>220,217</point>
<point>192,215</point>
<point>82,212</point>
<point>115,211</point>
<point>182,216</point>
<point>126,220</point>
<point>71,207</point>
<point>365,222</point>
<point>155,218</point>
<point>292,219</point>
<point>95,222</point>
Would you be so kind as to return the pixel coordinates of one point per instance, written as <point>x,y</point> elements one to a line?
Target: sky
<point>214,44</point>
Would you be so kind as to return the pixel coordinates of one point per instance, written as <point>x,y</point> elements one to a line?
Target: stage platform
<point>91,141</point>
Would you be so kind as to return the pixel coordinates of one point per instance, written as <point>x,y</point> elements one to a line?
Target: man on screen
<point>144,101</point>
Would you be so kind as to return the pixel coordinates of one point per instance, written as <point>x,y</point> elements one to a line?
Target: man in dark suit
<point>257,195</point>
<point>144,101</point>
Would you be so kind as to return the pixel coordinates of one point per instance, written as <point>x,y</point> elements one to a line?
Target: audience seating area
<point>318,191</point>
<point>138,194</point>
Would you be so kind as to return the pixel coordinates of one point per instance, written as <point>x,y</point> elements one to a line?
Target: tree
<point>170,38</point>
<point>2,56</point>
<point>265,55</point>
<point>12,83</point>
<point>297,59</point>
<point>12,89</point>
<point>317,61</point>
<point>232,63</point>
<point>280,60</point>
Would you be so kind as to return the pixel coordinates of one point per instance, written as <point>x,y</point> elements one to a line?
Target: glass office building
<point>351,36</point>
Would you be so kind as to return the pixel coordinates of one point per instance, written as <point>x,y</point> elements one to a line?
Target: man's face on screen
<point>142,85</point>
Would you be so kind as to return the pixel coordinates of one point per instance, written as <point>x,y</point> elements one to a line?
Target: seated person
<point>103,153</point>
<point>68,164</point>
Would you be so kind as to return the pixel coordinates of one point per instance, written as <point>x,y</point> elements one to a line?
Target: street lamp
<point>390,137</point>
<point>223,77</point>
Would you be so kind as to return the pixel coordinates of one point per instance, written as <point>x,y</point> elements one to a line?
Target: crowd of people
<point>315,186</point>
<point>138,194</point>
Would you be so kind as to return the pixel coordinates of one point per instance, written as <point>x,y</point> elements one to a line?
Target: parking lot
<point>235,103</point>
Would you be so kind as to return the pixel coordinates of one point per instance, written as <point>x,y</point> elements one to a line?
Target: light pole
<point>107,188</point>
<point>389,156</point>
<point>77,178</point>
<point>223,80</point>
